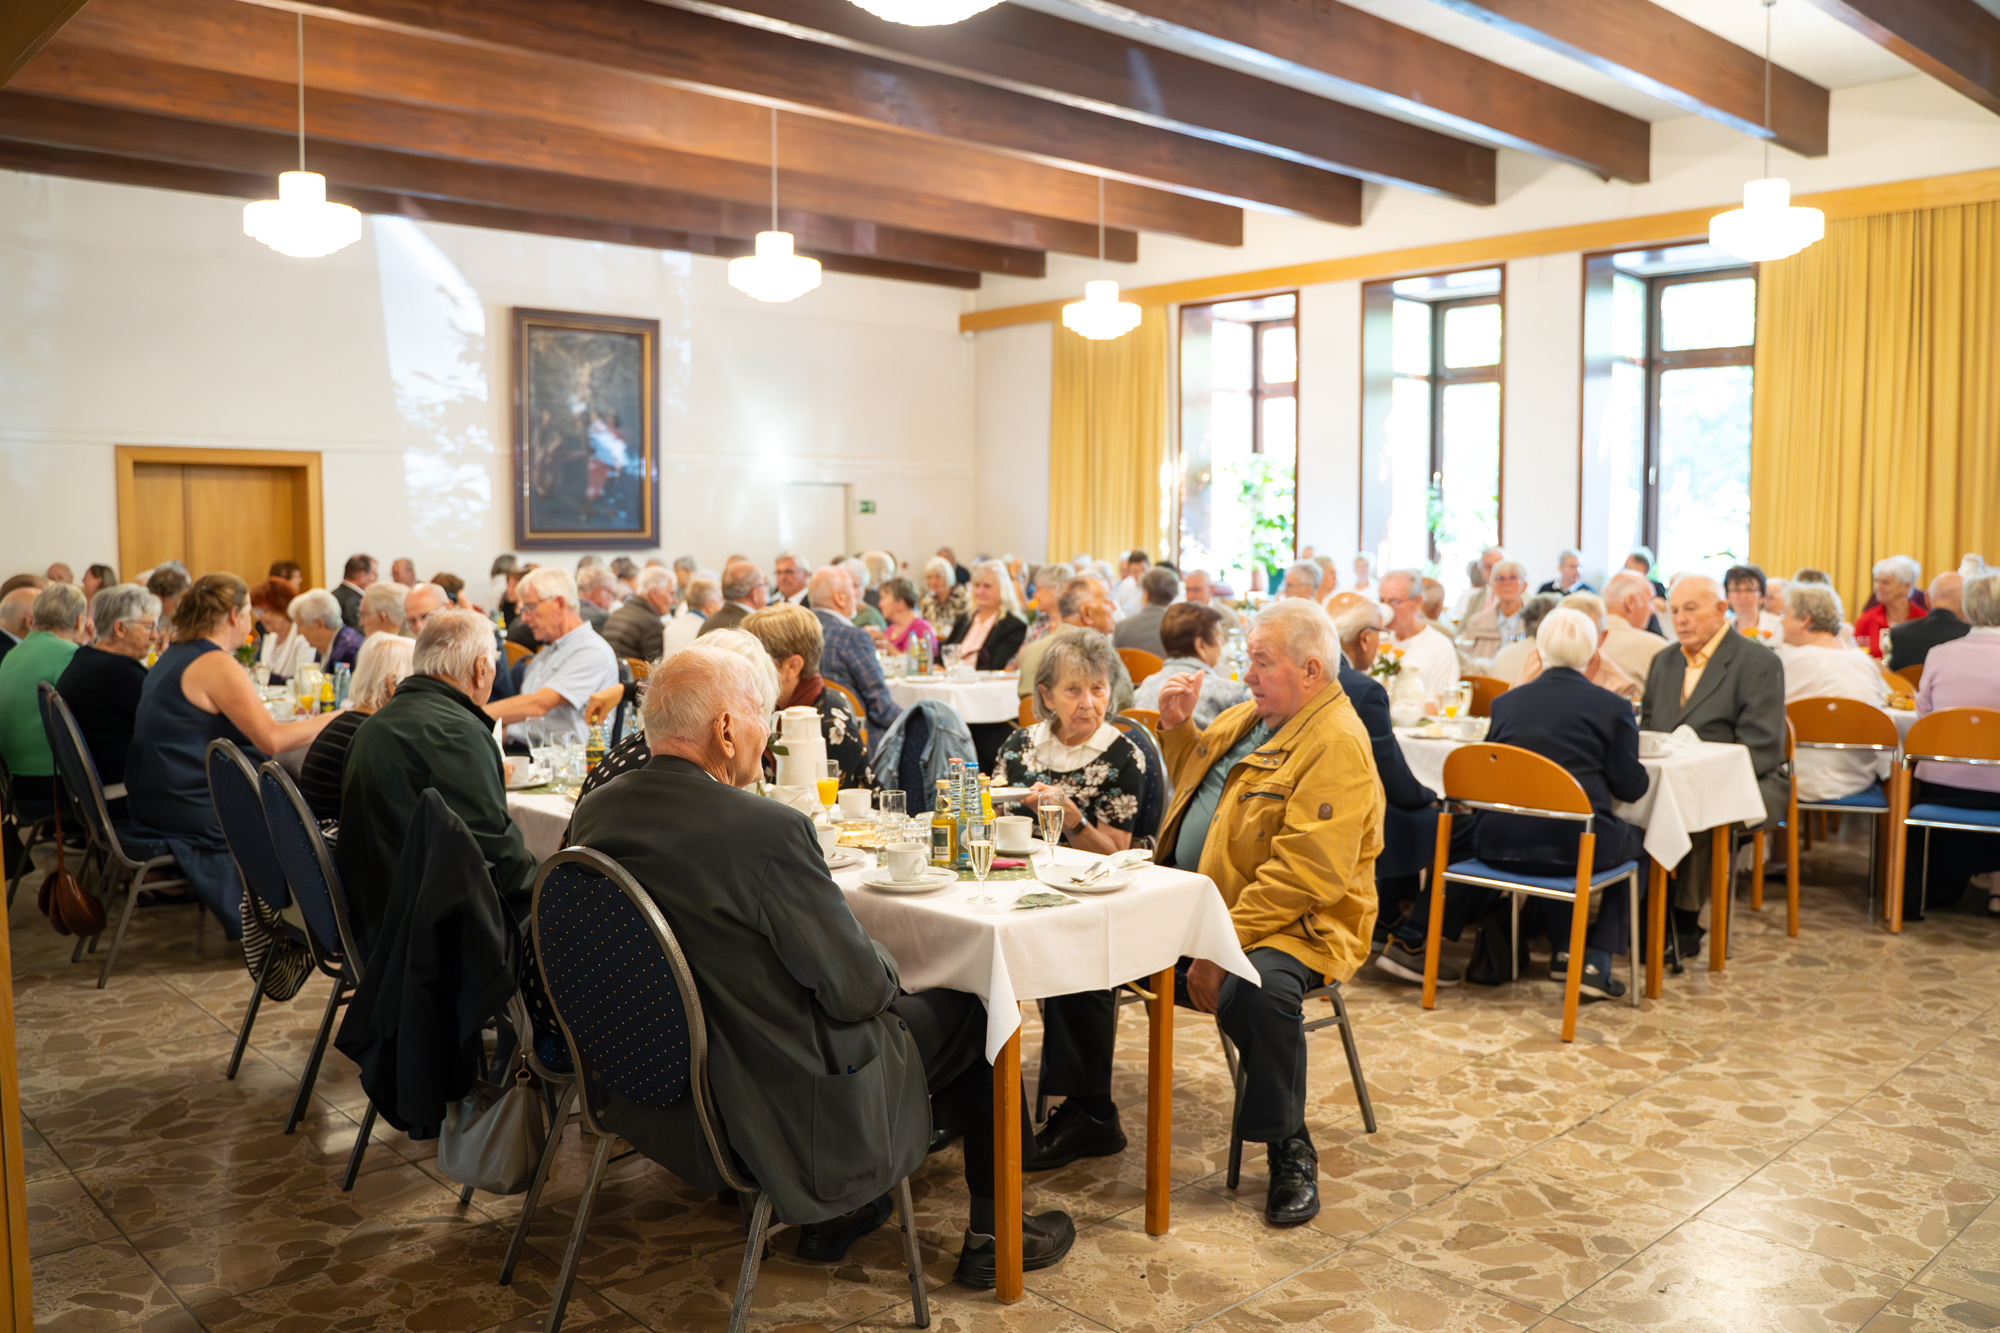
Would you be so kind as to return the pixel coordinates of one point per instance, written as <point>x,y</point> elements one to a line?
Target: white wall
<point>1011,442</point>
<point>1330,418</point>
<point>1540,408</point>
<point>146,317</point>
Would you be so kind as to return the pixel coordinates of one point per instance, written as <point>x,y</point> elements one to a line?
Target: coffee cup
<point>1653,744</point>
<point>856,802</point>
<point>905,861</point>
<point>829,838</point>
<point>1012,832</point>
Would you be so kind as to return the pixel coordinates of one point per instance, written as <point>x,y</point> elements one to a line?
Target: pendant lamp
<point>774,273</point>
<point>1100,315</point>
<point>300,222</point>
<point>926,13</point>
<point>1768,226</point>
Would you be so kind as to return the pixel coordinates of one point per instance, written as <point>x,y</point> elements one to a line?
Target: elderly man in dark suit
<point>356,576</point>
<point>743,591</point>
<point>819,1062</point>
<point>1729,689</point>
<point>1914,639</point>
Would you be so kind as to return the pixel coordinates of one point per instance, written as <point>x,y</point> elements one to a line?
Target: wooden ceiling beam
<point>1956,42</point>
<point>26,26</point>
<point>50,122</point>
<point>725,59</point>
<point>1076,65</point>
<point>84,74</point>
<point>111,168</point>
<point>1663,55</point>
<point>1372,62</point>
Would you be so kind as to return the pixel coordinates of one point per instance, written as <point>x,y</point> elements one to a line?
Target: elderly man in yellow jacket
<point>1279,803</point>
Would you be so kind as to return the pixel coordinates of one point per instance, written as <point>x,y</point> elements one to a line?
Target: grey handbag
<point>493,1137</point>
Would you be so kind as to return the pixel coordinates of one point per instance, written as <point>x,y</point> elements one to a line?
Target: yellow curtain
<point>1876,426</point>
<point>1108,440</point>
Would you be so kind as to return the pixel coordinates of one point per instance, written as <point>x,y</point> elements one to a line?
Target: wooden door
<point>219,509</point>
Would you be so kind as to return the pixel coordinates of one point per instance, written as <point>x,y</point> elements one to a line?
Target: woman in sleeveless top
<point>194,694</point>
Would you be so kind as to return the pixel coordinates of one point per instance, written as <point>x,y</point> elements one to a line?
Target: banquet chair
<point>1026,713</point>
<point>1149,716</point>
<point>631,1013</point>
<point>1967,736</point>
<point>32,818</point>
<point>1158,792</point>
<point>639,667</point>
<point>124,858</point>
<point>1331,993</point>
<point>1485,689</point>
<point>1913,674</point>
<point>559,1097</point>
<point>517,653</point>
<point>1510,780</point>
<point>1835,724</point>
<point>1140,663</point>
<point>232,790</point>
<point>315,886</point>
<point>1899,683</point>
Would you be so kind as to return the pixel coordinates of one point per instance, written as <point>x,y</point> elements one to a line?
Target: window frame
<point>1262,389</point>
<point>1259,391</point>
<point>1659,361</point>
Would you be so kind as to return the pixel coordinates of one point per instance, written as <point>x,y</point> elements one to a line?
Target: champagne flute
<point>979,850</point>
<point>1050,812</point>
<point>1462,696</point>
<point>828,783</point>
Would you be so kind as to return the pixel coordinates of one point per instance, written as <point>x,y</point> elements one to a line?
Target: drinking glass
<point>262,673</point>
<point>891,814</point>
<point>1050,812</point>
<point>828,782</point>
<point>979,850</point>
<point>950,657</point>
<point>1462,698</point>
<point>545,758</point>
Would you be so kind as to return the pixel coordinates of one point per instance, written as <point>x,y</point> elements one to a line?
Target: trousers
<point>1265,1024</point>
<point>949,1029</point>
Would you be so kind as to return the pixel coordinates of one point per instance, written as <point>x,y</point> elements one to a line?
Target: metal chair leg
<point>1235,1138</point>
<point>753,1255</point>
<point>1632,933</point>
<point>124,920</point>
<point>360,1147</point>
<point>1353,1059</point>
<point>311,1076</point>
<point>913,1259</point>
<point>250,1014</point>
<point>576,1235</point>
<point>558,1122</point>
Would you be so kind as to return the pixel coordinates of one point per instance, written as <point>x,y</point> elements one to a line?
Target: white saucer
<point>1063,877</point>
<point>1010,793</point>
<point>1034,848</point>
<point>931,878</point>
<point>844,857</point>
<point>531,776</point>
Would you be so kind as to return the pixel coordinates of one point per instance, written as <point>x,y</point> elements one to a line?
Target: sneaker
<point>1400,961</point>
<point>1045,1239</point>
<point>1597,983</point>
<point>828,1242</point>
<point>1072,1132</point>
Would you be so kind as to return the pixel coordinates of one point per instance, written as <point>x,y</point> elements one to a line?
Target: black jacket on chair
<point>1409,816</point>
<point>1590,731</point>
<point>445,962</point>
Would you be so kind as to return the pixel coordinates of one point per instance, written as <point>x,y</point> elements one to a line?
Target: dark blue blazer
<point>1409,823</point>
<point>1590,731</point>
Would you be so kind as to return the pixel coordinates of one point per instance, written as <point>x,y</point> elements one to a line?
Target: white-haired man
<point>1481,575</point>
<point>432,733</point>
<point>424,601</point>
<point>743,591</point>
<point>1199,588</point>
<point>1569,574</point>
<point>1728,688</point>
<point>1600,670</point>
<point>574,663</point>
<point>1296,870</point>
<point>1628,610</point>
<point>791,986</point>
<point>1425,649</point>
<point>1496,621</point>
<point>638,627</point>
<point>380,610</point>
<point>1301,580</point>
<point>848,657</point>
<point>791,574</point>
<point>596,593</point>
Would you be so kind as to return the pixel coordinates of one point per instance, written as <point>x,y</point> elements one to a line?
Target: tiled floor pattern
<point>1810,1141</point>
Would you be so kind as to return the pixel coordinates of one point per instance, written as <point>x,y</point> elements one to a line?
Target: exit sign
<point>864,506</point>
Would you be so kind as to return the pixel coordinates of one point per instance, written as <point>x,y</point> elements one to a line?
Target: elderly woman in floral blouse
<point>946,601</point>
<point>1073,751</point>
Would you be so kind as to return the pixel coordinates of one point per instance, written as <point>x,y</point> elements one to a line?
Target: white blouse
<point>285,656</point>
<point>1842,673</point>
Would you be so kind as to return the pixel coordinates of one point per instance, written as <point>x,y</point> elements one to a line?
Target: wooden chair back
<point>1149,717</point>
<point>1484,690</point>
<point>640,668</point>
<point>1955,733</point>
<point>1899,684</point>
<point>1140,663</point>
<point>1913,674</point>
<point>1519,779</point>
<point>1826,720</point>
<point>516,653</point>
<point>1027,713</point>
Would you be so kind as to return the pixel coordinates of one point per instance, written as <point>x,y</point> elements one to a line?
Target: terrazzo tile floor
<point>1809,1141</point>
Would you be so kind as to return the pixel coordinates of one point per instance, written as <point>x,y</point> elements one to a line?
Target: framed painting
<point>586,430</point>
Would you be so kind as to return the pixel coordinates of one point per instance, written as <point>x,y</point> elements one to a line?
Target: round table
<point>992,696</point>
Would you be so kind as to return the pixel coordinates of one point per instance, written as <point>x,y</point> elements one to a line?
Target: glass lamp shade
<point>774,273</point>
<point>926,13</point>
<point>1767,226</point>
<point>300,222</point>
<point>1100,314</point>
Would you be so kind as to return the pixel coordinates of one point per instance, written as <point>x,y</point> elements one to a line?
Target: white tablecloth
<point>1693,789</point>
<point>1004,956</point>
<point>542,819</point>
<point>987,699</point>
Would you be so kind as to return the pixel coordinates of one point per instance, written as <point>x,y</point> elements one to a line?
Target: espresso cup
<point>829,838</point>
<point>905,860</point>
<point>856,803</point>
<point>1012,832</point>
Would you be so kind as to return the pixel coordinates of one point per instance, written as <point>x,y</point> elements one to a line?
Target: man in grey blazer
<point>819,1063</point>
<point>1728,688</point>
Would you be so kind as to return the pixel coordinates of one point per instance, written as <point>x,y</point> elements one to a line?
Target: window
<point>1431,436</point>
<point>1669,337</point>
<point>1239,437</point>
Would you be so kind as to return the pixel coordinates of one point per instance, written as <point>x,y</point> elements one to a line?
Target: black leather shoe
<point>1072,1132</point>
<point>1045,1239</point>
<point>1294,1193</point>
<point>827,1242</point>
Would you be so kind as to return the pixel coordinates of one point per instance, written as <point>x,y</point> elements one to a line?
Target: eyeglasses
<point>528,608</point>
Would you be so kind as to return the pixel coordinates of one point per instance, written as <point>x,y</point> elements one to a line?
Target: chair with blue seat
<point>1835,724</point>
<point>1506,779</point>
<point>1967,737</point>
<point>315,885</point>
<point>125,861</point>
<point>631,1013</point>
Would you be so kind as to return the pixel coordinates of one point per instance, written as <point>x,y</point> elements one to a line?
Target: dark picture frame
<point>586,430</point>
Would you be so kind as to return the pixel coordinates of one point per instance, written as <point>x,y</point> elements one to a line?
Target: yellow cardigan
<point>1293,843</point>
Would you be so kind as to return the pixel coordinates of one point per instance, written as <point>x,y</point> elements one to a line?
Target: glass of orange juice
<point>829,784</point>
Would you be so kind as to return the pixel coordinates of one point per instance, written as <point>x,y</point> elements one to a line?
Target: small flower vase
<point>1406,698</point>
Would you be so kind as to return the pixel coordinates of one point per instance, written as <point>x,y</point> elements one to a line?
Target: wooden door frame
<point>306,463</point>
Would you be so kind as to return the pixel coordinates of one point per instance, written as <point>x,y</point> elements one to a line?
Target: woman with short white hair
<point>1818,665</point>
<point>946,601</point>
<point>383,662</point>
<point>317,614</point>
<point>105,678</point>
<point>1600,669</point>
<point>1896,602</point>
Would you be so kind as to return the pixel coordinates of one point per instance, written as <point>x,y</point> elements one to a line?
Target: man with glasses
<point>1424,649</point>
<point>1496,621</point>
<point>574,664</point>
<point>792,578</point>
